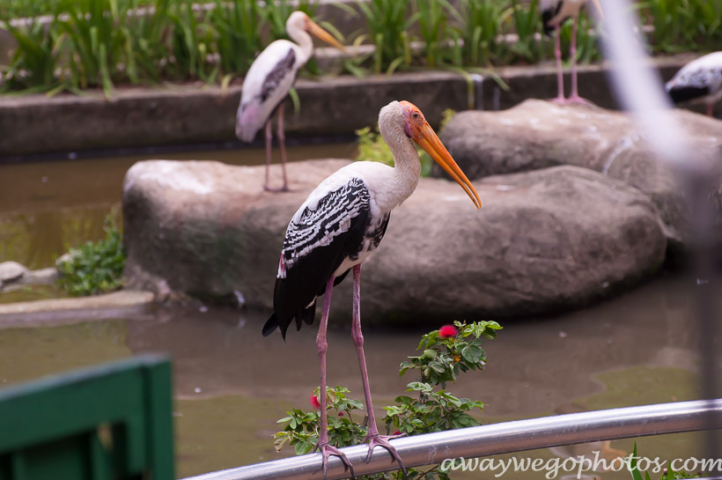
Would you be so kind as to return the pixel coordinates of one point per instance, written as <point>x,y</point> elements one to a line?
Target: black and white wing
<point>266,85</point>
<point>697,80</point>
<point>329,228</point>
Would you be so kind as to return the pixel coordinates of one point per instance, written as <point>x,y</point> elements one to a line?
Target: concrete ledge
<point>112,305</point>
<point>185,115</point>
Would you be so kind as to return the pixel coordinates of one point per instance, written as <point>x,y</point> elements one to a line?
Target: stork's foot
<point>560,100</point>
<point>576,99</point>
<point>328,450</point>
<point>376,440</point>
<point>276,190</point>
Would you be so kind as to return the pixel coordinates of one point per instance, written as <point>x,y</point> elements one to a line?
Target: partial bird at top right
<point>554,13</point>
<point>700,81</point>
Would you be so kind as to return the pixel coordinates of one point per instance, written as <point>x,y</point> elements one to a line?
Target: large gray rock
<point>538,134</point>
<point>547,240</point>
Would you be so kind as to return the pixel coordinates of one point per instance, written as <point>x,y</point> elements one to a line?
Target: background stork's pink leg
<point>710,109</point>
<point>322,347</point>
<point>574,97</point>
<point>560,72</point>
<point>282,145</point>
<point>373,436</point>
<point>269,145</point>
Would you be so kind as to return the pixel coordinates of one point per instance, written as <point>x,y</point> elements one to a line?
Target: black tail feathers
<point>687,93</point>
<point>306,316</point>
<point>270,326</point>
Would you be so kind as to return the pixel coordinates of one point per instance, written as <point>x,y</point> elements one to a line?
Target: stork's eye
<point>416,115</point>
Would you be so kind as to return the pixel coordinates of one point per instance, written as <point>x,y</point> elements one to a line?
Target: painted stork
<point>700,81</point>
<point>554,13</point>
<point>269,80</point>
<point>336,229</point>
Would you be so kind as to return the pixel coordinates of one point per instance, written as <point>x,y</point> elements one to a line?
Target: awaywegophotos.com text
<point>578,465</point>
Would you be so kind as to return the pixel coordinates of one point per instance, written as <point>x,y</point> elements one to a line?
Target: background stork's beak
<point>315,30</point>
<point>430,142</point>
<point>599,9</point>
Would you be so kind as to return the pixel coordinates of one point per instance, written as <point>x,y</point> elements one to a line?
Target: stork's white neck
<point>304,41</point>
<point>407,168</point>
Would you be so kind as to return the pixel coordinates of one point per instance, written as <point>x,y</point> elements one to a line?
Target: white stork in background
<point>700,81</point>
<point>554,13</point>
<point>336,229</point>
<point>269,80</point>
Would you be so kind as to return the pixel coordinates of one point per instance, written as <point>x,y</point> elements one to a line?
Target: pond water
<point>48,207</point>
<point>231,384</point>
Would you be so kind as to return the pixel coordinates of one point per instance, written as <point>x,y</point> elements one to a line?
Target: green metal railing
<point>108,422</point>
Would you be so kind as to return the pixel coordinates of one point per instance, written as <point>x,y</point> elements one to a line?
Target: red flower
<point>448,331</point>
<point>396,433</point>
<point>340,414</point>
<point>314,402</point>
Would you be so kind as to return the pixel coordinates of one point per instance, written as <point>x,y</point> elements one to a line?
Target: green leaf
<point>472,353</point>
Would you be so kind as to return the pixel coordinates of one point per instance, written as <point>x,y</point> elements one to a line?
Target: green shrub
<point>446,353</point>
<point>95,267</point>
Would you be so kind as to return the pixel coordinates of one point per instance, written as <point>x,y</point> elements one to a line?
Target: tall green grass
<point>103,43</point>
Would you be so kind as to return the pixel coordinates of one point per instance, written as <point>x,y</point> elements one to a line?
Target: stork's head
<point>298,20</point>
<point>415,126</point>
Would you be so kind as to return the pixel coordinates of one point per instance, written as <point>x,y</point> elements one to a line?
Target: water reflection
<point>48,207</point>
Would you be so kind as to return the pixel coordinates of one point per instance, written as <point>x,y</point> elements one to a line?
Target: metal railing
<point>494,439</point>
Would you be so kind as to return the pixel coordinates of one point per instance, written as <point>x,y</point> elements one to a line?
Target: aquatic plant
<point>102,43</point>
<point>480,25</point>
<point>387,28</point>
<point>95,267</point>
<point>432,408</point>
<point>683,25</point>
<point>433,26</point>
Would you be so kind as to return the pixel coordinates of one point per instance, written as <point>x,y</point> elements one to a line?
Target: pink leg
<point>710,110</point>
<point>322,347</point>
<point>575,98</point>
<point>560,72</point>
<point>269,145</point>
<point>373,436</point>
<point>282,144</point>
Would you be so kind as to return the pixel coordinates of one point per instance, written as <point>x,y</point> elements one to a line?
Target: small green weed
<point>95,267</point>
<point>668,474</point>
<point>372,148</point>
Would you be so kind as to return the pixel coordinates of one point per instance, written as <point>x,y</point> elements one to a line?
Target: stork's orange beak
<point>422,133</point>
<point>314,29</point>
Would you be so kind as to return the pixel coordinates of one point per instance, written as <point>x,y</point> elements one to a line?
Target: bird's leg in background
<point>710,110</point>
<point>574,97</point>
<point>373,436</point>
<point>269,145</point>
<point>322,346</point>
<point>282,145</point>
<point>560,72</point>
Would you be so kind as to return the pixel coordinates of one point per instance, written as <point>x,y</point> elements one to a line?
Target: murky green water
<point>48,207</point>
<point>232,384</point>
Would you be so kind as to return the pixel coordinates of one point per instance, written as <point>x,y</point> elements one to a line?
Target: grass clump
<point>95,267</point>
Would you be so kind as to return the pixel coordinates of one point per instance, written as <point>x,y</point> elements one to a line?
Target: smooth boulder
<point>544,241</point>
<point>538,134</point>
